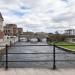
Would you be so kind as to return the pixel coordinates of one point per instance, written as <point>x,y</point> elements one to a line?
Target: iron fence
<point>53,54</point>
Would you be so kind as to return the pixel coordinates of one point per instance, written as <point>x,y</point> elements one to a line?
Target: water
<point>36,57</point>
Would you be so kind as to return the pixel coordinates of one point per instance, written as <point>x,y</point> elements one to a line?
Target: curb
<point>65,49</point>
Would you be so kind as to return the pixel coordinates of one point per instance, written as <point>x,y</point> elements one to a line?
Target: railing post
<point>54,61</point>
<point>6,66</point>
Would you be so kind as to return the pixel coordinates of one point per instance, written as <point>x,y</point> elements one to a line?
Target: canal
<point>19,48</point>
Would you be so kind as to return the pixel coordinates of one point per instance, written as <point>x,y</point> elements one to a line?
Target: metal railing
<point>53,53</point>
<point>7,61</point>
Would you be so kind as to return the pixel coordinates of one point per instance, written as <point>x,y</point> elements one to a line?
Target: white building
<point>1,22</point>
<point>1,27</point>
<point>70,32</point>
<point>71,35</point>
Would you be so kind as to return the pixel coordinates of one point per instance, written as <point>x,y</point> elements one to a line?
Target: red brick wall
<point>1,35</point>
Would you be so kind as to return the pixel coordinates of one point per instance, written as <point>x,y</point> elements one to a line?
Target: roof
<point>11,25</point>
<point>69,29</point>
<point>1,16</point>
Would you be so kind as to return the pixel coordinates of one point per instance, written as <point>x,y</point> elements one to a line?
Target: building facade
<point>70,32</point>
<point>1,26</point>
<point>11,30</point>
<point>20,31</point>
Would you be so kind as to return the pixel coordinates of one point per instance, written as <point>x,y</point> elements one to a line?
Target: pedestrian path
<point>32,71</point>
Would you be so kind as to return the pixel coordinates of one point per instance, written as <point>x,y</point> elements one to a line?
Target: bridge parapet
<point>39,37</point>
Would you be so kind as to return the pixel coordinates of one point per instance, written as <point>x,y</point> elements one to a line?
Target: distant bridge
<point>29,37</point>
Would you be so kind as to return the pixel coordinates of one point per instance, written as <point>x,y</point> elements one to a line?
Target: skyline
<point>39,15</point>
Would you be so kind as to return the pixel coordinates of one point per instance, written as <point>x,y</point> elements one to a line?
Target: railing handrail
<point>51,60</point>
<point>33,45</point>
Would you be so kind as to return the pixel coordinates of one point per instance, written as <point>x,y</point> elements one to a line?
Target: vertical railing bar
<point>54,61</point>
<point>6,66</point>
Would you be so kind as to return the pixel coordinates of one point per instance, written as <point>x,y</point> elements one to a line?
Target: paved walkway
<point>31,71</point>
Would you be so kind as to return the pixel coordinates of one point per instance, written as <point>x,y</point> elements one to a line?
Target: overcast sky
<point>39,15</point>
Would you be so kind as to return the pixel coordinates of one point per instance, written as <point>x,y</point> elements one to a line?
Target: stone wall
<point>1,35</point>
<point>7,40</point>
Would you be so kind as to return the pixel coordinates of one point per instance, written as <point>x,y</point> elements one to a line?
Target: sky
<point>39,15</point>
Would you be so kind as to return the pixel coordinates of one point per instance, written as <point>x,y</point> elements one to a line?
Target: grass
<point>67,45</point>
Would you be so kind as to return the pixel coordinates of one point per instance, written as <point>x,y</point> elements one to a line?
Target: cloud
<point>39,15</point>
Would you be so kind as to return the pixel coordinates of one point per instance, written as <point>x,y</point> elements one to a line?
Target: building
<point>11,30</point>
<point>1,26</point>
<point>70,35</point>
<point>20,31</point>
<point>70,32</point>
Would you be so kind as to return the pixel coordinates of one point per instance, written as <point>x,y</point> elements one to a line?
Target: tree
<point>56,32</point>
<point>56,37</point>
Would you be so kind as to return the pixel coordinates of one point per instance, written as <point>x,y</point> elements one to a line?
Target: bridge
<point>29,36</point>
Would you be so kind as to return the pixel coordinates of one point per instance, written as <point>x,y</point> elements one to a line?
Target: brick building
<point>11,30</point>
